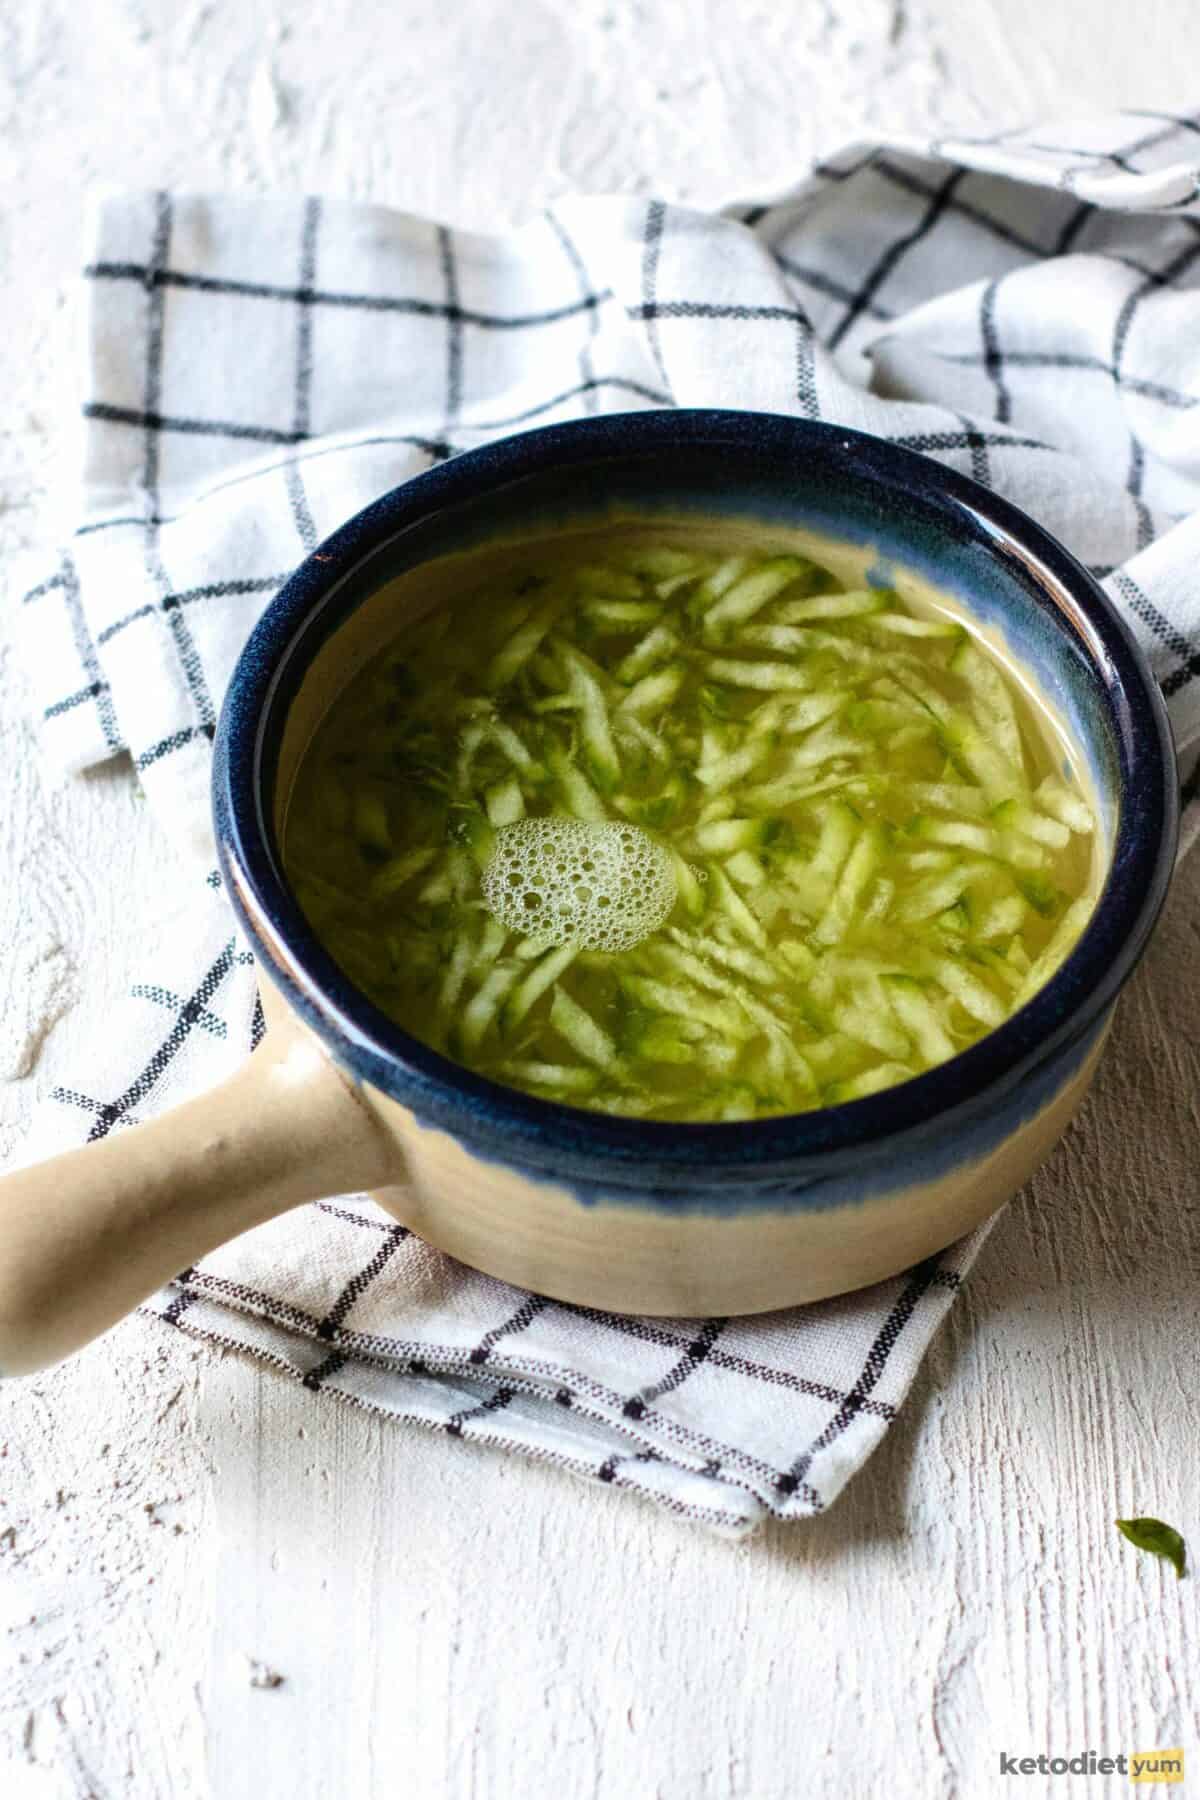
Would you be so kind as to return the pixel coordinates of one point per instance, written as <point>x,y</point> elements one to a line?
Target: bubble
<point>603,887</point>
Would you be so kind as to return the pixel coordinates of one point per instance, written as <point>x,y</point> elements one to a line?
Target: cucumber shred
<point>586,1038</point>
<point>878,852</point>
<point>751,592</point>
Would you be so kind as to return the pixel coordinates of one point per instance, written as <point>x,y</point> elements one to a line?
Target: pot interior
<point>858,504</point>
<point>1022,613</point>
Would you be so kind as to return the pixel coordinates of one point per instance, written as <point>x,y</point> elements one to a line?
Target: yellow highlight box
<point>1156,1765</point>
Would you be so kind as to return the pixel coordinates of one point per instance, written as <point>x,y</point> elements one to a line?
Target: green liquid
<point>876,857</point>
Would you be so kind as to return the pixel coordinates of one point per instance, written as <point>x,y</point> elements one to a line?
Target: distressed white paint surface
<point>450,1623</point>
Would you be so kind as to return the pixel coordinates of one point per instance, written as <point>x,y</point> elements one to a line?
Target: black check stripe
<point>1119,159</point>
<point>454,329</point>
<point>993,361</point>
<point>210,590</point>
<point>911,183</point>
<point>998,229</point>
<point>1170,125</point>
<point>438,449</point>
<point>182,1300</point>
<point>1173,397</point>
<point>129,521</point>
<point>826,284</point>
<point>656,218</point>
<point>908,181</point>
<point>302,398</point>
<point>96,688</point>
<point>1178,125</point>
<point>1167,634</point>
<point>193,670</point>
<point>1186,201</point>
<point>450,311</point>
<point>114,1112</point>
<point>807,395</point>
<point>696,1353</point>
<point>155,309</point>
<point>356,1287</point>
<point>650,311</point>
<point>976,443</point>
<point>519,1321</point>
<point>597,1400</point>
<point>364,1221</point>
<point>939,200</point>
<point>650,1331</point>
<point>833,174</point>
<point>51,585</point>
<point>332,1365</point>
<point>609,1467</point>
<point>80,698</point>
<point>587,363</point>
<point>1135,478</point>
<point>185,646</point>
<point>256,1300</point>
<point>167,746</point>
<point>502,1397</point>
<point>1072,230</point>
<point>917,1286</point>
<point>704,309</point>
<point>969,438</point>
<point>153,422</point>
<point>161,996</point>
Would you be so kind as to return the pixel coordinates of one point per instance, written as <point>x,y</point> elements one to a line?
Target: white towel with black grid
<point>1024,307</point>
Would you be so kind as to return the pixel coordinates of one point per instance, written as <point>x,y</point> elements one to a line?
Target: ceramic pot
<point>633,1215</point>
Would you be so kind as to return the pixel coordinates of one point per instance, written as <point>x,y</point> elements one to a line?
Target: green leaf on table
<point>1162,1540</point>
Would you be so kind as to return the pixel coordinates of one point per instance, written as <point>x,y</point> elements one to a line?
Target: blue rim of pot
<point>523,1130</point>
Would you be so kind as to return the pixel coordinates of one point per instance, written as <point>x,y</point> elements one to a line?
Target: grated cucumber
<point>875,858</point>
<point>767,677</point>
<point>750,593</point>
<point>586,1038</point>
<point>398,872</point>
<point>655,647</point>
<point>541,977</point>
<point>505,802</point>
<point>855,604</point>
<point>528,638</point>
<point>917,1014</point>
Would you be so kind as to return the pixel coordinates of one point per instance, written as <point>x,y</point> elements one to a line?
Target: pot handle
<point>85,1237</point>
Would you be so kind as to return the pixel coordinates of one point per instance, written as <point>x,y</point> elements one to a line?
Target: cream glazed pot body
<point>674,1255</point>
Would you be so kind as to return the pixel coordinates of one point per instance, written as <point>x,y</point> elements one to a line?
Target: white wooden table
<point>451,1623</point>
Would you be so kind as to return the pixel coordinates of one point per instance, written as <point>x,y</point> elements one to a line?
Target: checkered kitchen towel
<point>1024,307</point>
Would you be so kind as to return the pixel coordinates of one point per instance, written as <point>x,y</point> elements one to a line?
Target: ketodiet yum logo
<point>1138,1765</point>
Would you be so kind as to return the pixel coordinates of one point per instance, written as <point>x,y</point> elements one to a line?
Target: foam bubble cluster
<point>603,887</point>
